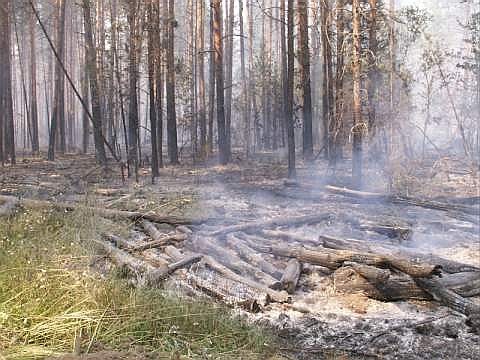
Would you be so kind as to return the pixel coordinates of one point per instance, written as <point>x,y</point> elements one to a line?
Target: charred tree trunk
<point>133,125</point>
<point>6,122</point>
<point>171,110</point>
<point>153,26</point>
<point>218,42</point>
<point>373,74</point>
<point>33,86</point>
<point>202,110</point>
<point>245,114</point>
<point>289,92</point>
<point>336,125</point>
<point>357,104</point>
<point>58,101</point>
<point>229,78</point>
<point>304,51</point>
<point>94,89</point>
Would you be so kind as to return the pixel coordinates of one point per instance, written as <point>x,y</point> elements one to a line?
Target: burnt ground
<point>321,323</point>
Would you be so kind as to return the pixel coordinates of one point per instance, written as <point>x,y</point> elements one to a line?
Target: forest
<point>239,179</point>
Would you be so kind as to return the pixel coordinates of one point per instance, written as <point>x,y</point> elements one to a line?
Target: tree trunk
<point>357,104</point>
<point>6,86</point>
<point>202,114</point>
<point>373,76</point>
<point>33,86</point>
<point>153,26</point>
<point>94,89</point>
<point>85,95</point>
<point>133,125</point>
<point>289,92</point>
<point>58,101</point>
<point>171,110</point>
<point>251,78</point>
<point>304,51</point>
<point>244,102</point>
<point>229,78</point>
<point>220,88</point>
<point>211,86</point>
<point>336,125</point>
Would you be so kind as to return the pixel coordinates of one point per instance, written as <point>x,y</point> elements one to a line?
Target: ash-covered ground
<point>320,322</point>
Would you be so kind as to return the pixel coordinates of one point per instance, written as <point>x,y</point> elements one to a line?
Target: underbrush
<point>51,302</point>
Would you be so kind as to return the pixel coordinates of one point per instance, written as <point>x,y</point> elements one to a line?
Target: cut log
<point>395,288</point>
<point>164,240</point>
<point>269,224</point>
<point>454,301</point>
<point>253,258</point>
<point>124,260</point>
<point>465,284</point>
<point>333,259</point>
<point>184,229</point>
<point>230,260</point>
<point>119,242</point>
<point>382,285</point>
<point>277,296</point>
<point>403,200</point>
<point>151,230</point>
<point>365,195</point>
<point>214,290</point>
<point>154,277</point>
<point>291,276</point>
<point>448,266</point>
<point>287,236</point>
<point>448,297</point>
<point>392,231</point>
<point>108,213</point>
<point>373,274</point>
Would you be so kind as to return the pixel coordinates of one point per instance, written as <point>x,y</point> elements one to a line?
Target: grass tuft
<point>51,302</point>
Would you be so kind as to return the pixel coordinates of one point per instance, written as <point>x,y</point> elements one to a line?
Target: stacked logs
<point>253,263</point>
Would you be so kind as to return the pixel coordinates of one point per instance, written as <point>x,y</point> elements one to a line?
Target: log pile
<point>254,263</point>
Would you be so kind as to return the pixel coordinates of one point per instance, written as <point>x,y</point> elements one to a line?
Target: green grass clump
<point>51,300</point>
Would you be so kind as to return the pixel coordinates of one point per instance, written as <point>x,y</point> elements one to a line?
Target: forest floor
<point>323,324</point>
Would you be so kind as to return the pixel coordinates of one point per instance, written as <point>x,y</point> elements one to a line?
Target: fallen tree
<point>269,224</point>
<point>448,266</point>
<point>107,213</point>
<point>333,259</point>
<point>406,200</point>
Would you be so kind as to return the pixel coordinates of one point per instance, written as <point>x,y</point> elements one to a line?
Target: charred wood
<point>291,276</point>
<point>268,224</point>
<point>448,266</point>
<point>230,260</point>
<point>253,257</point>
<point>333,259</point>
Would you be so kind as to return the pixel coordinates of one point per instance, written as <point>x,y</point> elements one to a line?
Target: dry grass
<point>51,300</point>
